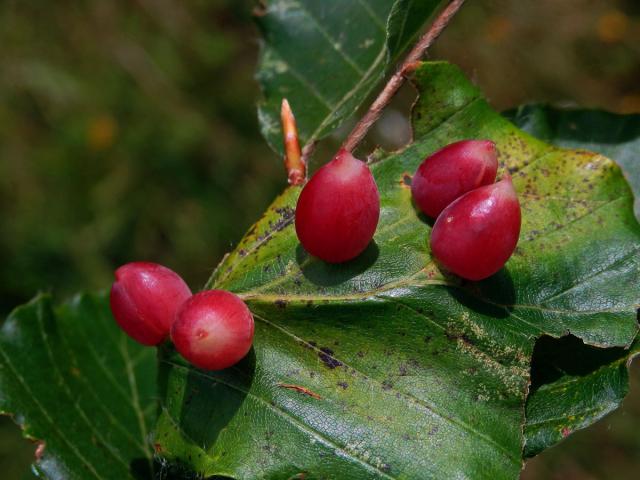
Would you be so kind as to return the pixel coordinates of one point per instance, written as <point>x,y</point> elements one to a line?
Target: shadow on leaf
<point>211,399</point>
<point>554,358</point>
<point>329,274</point>
<point>494,296</point>
<point>176,470</point>
<point>140,469</point>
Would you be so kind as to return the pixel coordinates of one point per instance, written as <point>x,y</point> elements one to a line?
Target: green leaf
<point>565,395</point>
<point>615,136</point>
<point>326,57</point>
<point>573,385</point>
<point>385,367</point>
<point>71,378</point>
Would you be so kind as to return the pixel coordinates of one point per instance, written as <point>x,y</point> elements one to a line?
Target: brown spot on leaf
<point>326,355</point>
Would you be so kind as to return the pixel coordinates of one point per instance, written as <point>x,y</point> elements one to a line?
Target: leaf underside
<point>387,367</point>
<point>326,57</point>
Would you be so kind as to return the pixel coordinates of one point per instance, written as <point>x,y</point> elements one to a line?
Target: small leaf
<point>326,57</point>
<point>387,367</point>
<point>72,379</point>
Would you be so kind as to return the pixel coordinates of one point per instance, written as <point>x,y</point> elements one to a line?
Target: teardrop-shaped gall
<point>451,172</point>
<point>213,330</point>
<point>338,210</point>
<point>144,300</point>
<point>475,235</point>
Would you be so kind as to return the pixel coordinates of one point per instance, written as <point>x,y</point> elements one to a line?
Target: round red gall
<point>338,210</point>
<point>213,330</point>
<point>451,172</point>
<point>144,300</point>
<point>476,235</point>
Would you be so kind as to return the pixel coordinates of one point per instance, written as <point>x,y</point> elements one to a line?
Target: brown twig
<point>307,151</point>
<point>293,162</point>
<point>396,81</point>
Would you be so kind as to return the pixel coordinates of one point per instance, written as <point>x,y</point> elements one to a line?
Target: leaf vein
<point>283,413</point>
<point>67,390</point>
<point>335,45</point>
<point>413,399</point>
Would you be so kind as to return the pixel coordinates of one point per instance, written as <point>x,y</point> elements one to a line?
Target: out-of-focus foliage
<point>576,52</point>
<point>128,130</point>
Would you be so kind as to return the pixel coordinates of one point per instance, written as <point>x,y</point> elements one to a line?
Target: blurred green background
<point>128,131</point>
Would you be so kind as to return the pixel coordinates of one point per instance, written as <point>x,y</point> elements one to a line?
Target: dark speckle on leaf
<point>451,335</point>
<point>325,355</point>
<point>406,180</point>
<point>280,303</point>
<point>387,385</point>
<point>343,385</point>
